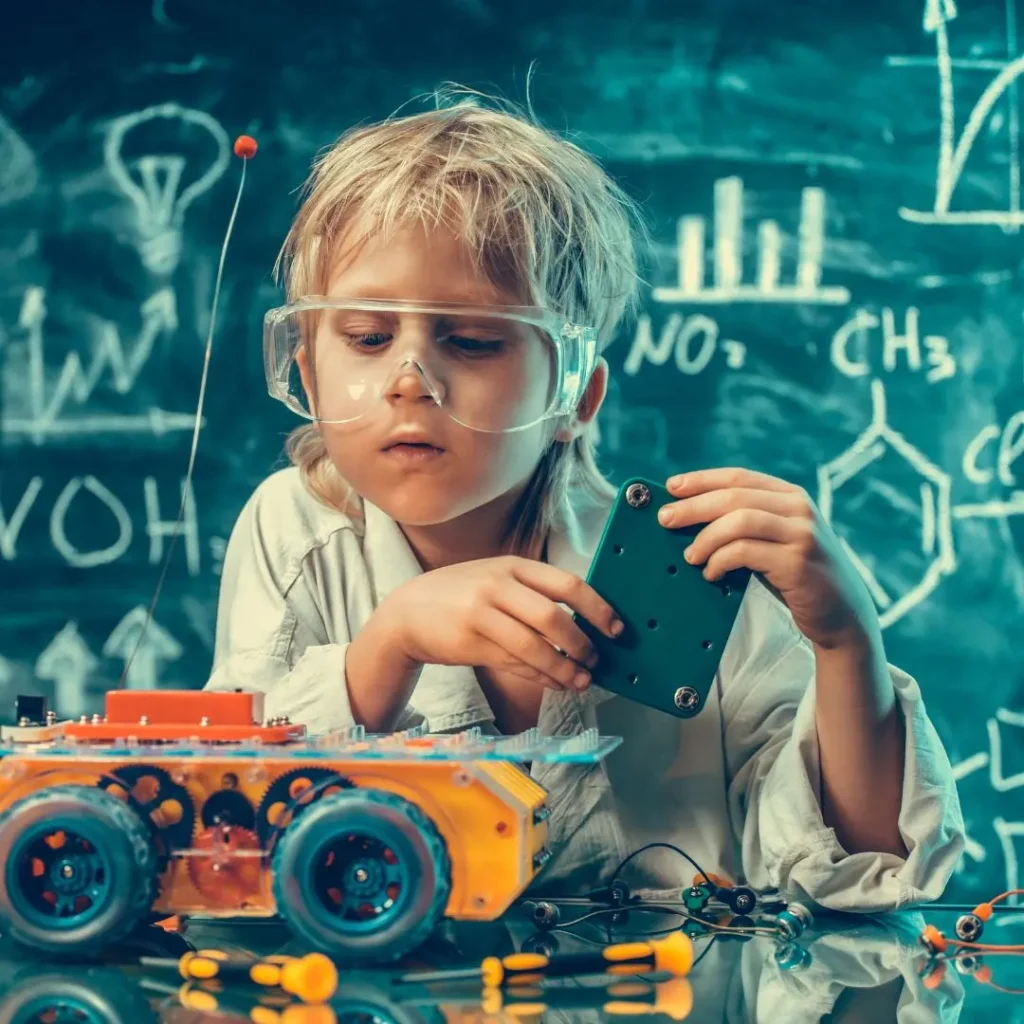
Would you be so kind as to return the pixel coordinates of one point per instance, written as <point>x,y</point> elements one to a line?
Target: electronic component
<point>794,920</point>
<point>676,621</point>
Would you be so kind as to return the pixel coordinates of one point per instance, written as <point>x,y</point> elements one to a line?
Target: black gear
<point>279,792</point>
<point>176,836</point>
<point>228,807</point>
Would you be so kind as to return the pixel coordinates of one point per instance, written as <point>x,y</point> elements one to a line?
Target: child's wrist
<point>389,627</point>
<point>379,674</point>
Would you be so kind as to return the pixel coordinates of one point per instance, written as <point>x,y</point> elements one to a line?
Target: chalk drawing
<point>156,646</point>
<point>158,528</point>
<point>159,206</point>
<point>71,501</point>
<point>67,662</point>
<point>18,173</point>
<point>931,504</point>
<point>727,255</point>
<point>45,411</point>
<point>10,528</point>
<point>1008,831</point>
<point>941,365</point>
<point>1009,449</point>
<point>1011,719</point>
<point>953,151</point>
<point>973,849</point>
<point>693,339</point>
<point>218,549</point>
<point>58,534</point>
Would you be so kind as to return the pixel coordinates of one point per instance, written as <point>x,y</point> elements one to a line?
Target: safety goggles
<point>495,369</point>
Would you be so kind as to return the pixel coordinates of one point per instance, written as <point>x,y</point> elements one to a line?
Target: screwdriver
<point>210,998</point>
<point>673,954</point>
<point>313,978</point>
<point>672,999</point>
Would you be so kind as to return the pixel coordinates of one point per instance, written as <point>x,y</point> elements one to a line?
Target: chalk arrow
<point>937,13</point>
<point>67,662</point>
<point>141,656</point>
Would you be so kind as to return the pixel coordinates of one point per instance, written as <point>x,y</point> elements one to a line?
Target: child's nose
<point>411,384</point>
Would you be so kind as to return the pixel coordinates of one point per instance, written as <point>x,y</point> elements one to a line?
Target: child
<point>453,276</point>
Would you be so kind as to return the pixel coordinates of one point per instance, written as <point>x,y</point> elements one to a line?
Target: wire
<point>969,907</point>
<point>666,846</point>
<point>704,952</point>
<point>661,908</point>
<point>196,427</point>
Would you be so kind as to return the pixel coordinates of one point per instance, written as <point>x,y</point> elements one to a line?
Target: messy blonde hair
<point>537,214</point>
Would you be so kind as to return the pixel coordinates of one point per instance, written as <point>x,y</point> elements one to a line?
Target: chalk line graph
<point>953,151</point>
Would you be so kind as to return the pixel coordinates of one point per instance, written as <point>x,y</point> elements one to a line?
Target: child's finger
<point>761,556</point>
<point>710,505</point>
<point>700,480</point>
<point>549,619</point>
<point>563,586</point>
<point>746,523</point>
<point>525,645</point>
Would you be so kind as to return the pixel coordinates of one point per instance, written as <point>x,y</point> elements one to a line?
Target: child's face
<point>470,468</point>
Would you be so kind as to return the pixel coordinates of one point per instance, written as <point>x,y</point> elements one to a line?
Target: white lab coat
<point>736,786</point>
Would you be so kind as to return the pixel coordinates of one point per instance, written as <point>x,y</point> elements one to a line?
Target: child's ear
<point>302,361</point>
<point>590,403</point>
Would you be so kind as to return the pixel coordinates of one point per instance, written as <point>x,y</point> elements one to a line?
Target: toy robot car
<point>178,802</point>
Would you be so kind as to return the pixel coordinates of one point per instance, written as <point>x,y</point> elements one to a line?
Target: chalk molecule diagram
<point>900,584</point>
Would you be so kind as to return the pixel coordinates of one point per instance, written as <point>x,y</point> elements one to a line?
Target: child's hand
<point>502,614</point>
<point>775,529</point>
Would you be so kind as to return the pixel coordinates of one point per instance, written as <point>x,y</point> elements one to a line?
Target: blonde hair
<point>538,215</point>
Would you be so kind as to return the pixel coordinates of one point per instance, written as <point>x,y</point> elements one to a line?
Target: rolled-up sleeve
<point>771,748</point>
<point>282,622</point>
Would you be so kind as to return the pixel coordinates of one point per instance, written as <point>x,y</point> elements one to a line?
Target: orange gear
<point>229,873</point>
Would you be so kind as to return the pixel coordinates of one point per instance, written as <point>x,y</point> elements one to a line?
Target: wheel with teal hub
<point>76,995</point>
<point>77,870</point>
<point>363,875</point>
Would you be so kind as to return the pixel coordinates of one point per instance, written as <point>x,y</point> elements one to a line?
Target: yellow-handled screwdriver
<point>211,999</point>
<point>673,955</point>
<point>672,999</point>
<point>313,978</point>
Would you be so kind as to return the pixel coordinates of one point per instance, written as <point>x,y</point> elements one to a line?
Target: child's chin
<point>422,509</point>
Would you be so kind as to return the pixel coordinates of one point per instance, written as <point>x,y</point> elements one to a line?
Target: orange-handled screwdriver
<point>313,978</point>
<point>673,954</point>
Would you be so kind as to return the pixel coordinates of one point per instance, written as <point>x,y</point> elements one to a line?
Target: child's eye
<point>366,341</point>
<point>475,346</point>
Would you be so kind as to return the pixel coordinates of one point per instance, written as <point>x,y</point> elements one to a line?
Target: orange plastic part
<point>180,707</point>
<point>107,732</point>
<point>182,715</point>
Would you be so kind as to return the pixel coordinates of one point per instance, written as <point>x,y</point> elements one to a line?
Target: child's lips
<point>413,451</point>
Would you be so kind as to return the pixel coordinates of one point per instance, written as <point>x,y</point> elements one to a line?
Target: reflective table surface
<point>844,969</point>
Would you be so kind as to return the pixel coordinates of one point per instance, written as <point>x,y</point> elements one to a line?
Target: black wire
<point>704,951</point>
<point>666,846</point>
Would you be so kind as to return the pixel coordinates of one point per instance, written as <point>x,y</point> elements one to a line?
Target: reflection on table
<point>845,969</point>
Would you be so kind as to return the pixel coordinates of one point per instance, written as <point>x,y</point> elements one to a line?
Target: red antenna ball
<point>245,146</point>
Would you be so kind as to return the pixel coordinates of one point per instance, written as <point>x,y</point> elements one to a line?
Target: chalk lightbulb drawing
<point>159,204</point>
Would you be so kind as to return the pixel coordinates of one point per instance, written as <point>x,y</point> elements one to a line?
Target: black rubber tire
<point>406,830</point>
<point>113,827</point>
<point>89,995</point>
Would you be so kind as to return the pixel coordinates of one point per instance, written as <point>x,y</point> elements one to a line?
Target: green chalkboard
<point>834,195</point>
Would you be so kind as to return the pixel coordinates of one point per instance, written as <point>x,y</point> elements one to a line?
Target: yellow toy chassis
<point>180,803</point>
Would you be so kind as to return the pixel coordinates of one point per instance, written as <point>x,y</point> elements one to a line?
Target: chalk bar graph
<point>727,255</point>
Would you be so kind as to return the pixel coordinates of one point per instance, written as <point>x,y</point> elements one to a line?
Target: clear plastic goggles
<point>491,368</point>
